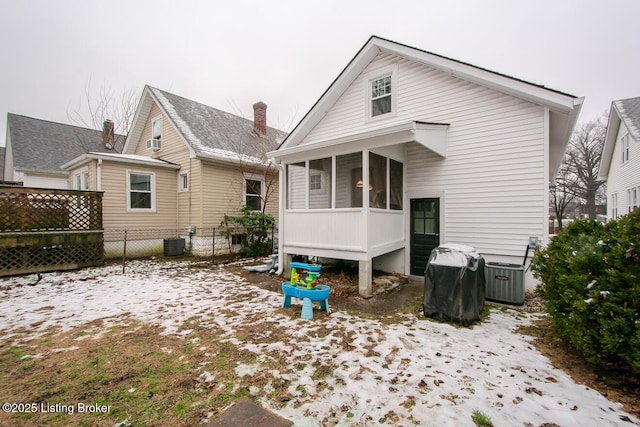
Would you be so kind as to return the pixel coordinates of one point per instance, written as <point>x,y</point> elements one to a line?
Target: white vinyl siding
<point>494,173</point>
<point>623,176</point>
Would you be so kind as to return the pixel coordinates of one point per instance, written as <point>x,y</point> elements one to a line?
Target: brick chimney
<point>108,134</point>
<point>260,118</point>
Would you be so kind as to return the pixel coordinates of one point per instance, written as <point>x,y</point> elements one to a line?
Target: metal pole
<point>124,251</point>
<point>213,244</point>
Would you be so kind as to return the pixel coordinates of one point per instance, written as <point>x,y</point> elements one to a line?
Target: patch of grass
<point>145,377</point>
<point>480,419</point>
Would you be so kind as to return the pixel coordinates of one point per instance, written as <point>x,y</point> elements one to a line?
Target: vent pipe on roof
<point>108,134</point>
<point>260,118</point>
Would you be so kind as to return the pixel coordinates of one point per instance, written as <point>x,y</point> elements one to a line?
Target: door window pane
<point>425,217</point>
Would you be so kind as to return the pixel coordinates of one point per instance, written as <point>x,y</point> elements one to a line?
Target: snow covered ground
<point>415,372</point>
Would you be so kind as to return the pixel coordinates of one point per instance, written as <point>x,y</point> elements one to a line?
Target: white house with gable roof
<point>407,150</point>
<point>620,161</point>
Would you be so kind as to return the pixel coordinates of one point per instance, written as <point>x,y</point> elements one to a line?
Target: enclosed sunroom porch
<point>331,209</point>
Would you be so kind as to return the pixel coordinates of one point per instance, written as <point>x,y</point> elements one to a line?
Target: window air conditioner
<point>154,144</point>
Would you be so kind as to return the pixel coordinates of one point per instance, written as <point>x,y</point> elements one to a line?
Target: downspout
<point>99,175</point>
<point>281,193</point>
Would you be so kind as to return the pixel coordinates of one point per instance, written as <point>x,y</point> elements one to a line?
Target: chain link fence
<point>217,243</point>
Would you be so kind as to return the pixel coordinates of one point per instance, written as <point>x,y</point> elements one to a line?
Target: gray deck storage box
<point>173,247</point>
<point>504,282</point>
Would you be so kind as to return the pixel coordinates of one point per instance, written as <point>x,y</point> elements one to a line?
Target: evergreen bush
<point>590,284</point>
<point>257,228</point>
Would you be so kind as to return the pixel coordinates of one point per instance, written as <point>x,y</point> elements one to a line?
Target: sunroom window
<point>349,180</point>
<point>395,184</point>
<point>295,186</point>
<point>377,181</point>
<point>320,183</point>
<point>310,184</point>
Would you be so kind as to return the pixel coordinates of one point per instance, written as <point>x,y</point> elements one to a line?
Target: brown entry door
<point>425,232</point>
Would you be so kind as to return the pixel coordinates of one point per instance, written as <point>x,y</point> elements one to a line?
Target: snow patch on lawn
<point>346,370</point>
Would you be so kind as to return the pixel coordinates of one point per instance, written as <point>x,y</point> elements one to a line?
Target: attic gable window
<point>625,148</point>
<point>155,143</point>
<point>381,96</point>
<point>381,92</point>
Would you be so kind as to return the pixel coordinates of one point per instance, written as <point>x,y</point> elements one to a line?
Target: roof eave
<point>553,99</point>
<point>613,126</point>
<point>120,159</point>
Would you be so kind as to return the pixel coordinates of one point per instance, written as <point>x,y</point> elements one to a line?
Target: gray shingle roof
<point>43,145</point>
<point>629,110</point>
<point>214,132</point>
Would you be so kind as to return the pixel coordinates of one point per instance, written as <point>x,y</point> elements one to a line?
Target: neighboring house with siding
<point>184,165</point>
<point>407,150</point>
<point>36,149</point>
<point>620,161</point>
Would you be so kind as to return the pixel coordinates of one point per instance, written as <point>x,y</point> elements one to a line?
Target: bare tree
<point>253,162</point>
<point>561,196</point>
<point>105,105</point>
<point>583,163</point>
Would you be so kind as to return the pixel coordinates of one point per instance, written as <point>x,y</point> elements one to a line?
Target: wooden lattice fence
<point>48,230</point>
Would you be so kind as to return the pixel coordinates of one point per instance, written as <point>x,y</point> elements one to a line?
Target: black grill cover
<point>454,284</point>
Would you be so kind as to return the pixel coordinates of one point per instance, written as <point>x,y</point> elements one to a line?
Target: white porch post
<point>365,277</point>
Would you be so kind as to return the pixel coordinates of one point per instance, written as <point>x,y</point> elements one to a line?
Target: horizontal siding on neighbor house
<point>493,177</point>
<point>175,150</point>
<point>114,205</point>
<point>223,190</point>
<point>623,176</point>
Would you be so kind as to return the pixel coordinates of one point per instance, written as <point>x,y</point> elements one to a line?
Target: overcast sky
<point>231,54</point>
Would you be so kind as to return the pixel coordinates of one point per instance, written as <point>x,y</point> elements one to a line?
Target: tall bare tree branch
<point>582,163</point>
<point>107,104</point>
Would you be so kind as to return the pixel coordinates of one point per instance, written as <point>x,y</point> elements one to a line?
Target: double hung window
<point>140,194</point>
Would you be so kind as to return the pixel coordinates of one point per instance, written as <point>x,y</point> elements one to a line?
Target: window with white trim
<point>381,93</point>
<point>140,191</point>
<point>254,192</point>
<point>614,206</point>
<point>625,148</point>
<point>315,182</point>
<point>381,96</point>
<point>633,198</point>
<point>81,180</point>
<point>155,143</point>
<point>183,181</point>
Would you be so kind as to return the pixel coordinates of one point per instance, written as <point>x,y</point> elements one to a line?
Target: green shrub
<point>257,228</point>
<point>590,283</point>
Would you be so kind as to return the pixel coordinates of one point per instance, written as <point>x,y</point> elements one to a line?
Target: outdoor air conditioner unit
<point>154,144</point>
<point>504,282</point>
